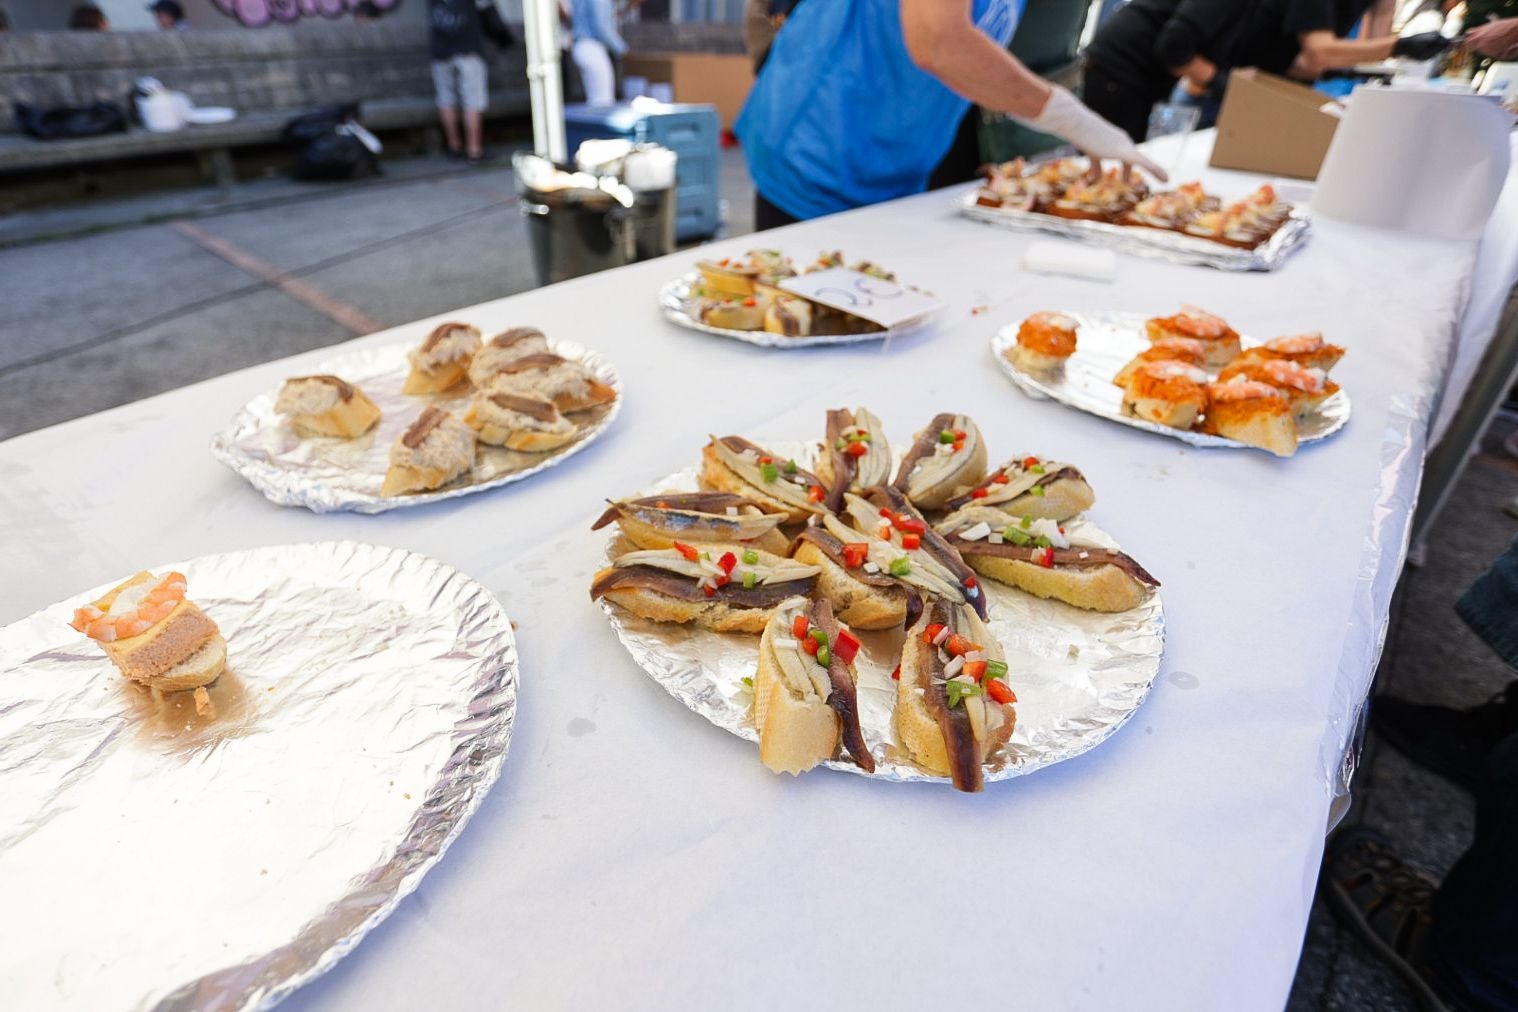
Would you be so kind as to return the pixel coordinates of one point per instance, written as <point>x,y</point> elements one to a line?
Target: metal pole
<point>540,24</point>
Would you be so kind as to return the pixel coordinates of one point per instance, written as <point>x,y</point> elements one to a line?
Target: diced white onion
<point>870,567</point>
<point>1085,555</point>
<point>732,511</point>
<point>785,644</point>
<point>995,538</point>
<point>975,533</point>
<point>952,668</point>
<point>943,634</point>
<point>975,655</point>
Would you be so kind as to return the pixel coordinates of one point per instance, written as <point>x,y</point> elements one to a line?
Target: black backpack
<point>329,151</point>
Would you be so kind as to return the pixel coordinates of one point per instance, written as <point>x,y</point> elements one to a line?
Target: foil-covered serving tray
<point>1078,675</point>
<point>1105,343</point>
<point>156,857</point>
<point>327,474</point>
<point>1159,244</point>
<point>676,302</point>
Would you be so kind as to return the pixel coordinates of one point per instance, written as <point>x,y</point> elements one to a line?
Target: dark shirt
<point>455,28</point>
<point>1148,40</point>
<point>1270,40</point>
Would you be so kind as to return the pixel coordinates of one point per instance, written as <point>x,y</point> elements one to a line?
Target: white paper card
<point>875,299</point>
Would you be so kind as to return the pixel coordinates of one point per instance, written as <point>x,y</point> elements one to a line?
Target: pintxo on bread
<point>858,551</point>
<point>154,634</point>
<point>744,294</point>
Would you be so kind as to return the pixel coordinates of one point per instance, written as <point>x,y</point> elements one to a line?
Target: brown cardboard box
<point>1272,125</point>
<point>721,79</point>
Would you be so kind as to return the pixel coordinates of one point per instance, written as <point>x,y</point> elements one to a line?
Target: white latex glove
<point>1065,116</point>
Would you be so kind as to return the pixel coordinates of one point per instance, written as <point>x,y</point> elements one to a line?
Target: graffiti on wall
<point>257,13</point>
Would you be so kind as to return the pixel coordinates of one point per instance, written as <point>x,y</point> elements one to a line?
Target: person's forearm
<point>1333,53</point>
<point>1199,69</point>
<point>968,62</point>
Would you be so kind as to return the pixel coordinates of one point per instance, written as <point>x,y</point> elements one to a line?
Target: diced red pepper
<point>727,562</point>
<point>846,647</point>
<point>958,646</point>
<point>799,626</point>
<point>686,550</point>
<point>960,436</point>
<point>854,553</point>
<point>931,632</point>
<point>662,504</point>
<point>911,525</point>
<point>1000,479</point>
<point>975,669</point>
<point>766,460</point>
<point>750,301</point>
<point>959,444</point>
<point>1030,462</point>
<point>910,541</point>
<point>979,493</point>
<point>857,449</point>
<point>1047,558</point>
<point>709,589</point>
<point>971,583</point>
<point>885,532</point>
<point>814,493</point>
<point>885,512</point>
<point>896,675</point>
<point>810,646</point>
<point>997,690</point>
<point>723,580</point>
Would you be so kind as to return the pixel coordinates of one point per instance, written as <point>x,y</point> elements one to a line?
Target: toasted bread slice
<point>716,615</point>
<point>434,381</point>
<point>1104,588</point>
<point>747,314</point>
<point>1252,413</point>
<point>796,731</point>
<point>855,602</point>
<point>158,655</point>
<point>916,726</point>
<point>202,667</point>
<point>1170,393</point>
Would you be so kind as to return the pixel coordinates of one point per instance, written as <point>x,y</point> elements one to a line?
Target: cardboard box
<point>719,79</point>
<point>1271,125</point>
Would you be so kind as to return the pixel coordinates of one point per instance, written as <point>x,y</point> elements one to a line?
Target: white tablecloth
<point>634,856</point>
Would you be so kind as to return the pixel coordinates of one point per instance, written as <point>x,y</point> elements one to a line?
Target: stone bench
<point>267,75</point>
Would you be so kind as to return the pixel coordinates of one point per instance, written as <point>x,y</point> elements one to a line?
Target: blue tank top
<point>840,117</point>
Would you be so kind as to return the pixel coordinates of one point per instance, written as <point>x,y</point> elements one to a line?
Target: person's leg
<point>472,89</point>
<point>1475,913</point>
<point>447,103</point>
<point>595,71</point>
<point>767,215</point>
<point>1118,102</point>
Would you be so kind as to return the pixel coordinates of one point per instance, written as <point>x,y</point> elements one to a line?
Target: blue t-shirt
<point>840,117</point>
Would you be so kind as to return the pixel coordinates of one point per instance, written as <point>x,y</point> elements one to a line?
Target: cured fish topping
<point>430,418</point>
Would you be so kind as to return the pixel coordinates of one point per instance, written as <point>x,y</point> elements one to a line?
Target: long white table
<point>632,855</point>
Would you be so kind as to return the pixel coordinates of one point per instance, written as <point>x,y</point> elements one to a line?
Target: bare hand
<point>1497,39</point>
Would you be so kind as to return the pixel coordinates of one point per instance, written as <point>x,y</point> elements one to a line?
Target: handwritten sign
<point>875,299</point>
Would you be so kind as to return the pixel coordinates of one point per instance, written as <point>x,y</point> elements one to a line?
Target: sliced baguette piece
<point>351,414</point>
<point>1252,413</point>
<point>856,603</point>
<point>797,728</point>
<point>202,667</point>
<point>1104,588</point>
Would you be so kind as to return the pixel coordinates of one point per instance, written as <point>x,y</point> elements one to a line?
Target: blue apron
<point>840,117</point>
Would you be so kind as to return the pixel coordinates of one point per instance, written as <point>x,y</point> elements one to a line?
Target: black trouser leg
<point>1475,929</point>
<point>1118,102</point>
<point>767,215</point>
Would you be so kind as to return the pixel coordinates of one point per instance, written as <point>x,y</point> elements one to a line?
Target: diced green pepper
<point>824,656</point>
<point>996,669</point>
<point>820,636</point>
<point>1037,491</point>
<point>1037,469</point>
<point>750,579</point>
<point>748,681</point>
<point>946,436</point>
<point>750,557</point>
<point>1027,523</point>
<point>1015,535</point>
<point>769,472</point>
<point>959,690</point>
<point>790,467</point>
<point>900,566</point>
<point>1043,541</point>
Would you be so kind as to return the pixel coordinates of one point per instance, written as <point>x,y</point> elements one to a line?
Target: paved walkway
<point>209,284</point>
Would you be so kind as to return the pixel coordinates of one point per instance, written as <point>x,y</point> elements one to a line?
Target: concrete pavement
<point>184,286</point>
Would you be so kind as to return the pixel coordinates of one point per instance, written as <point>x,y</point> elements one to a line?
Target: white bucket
<point>160,112</point>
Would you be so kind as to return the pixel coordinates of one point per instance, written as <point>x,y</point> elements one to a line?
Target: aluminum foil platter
<point>1078,675</point>
<point>1106,342</point>
<point>328,474</point>
<point>1155,243</point>
<point>156,857</point>
<point>676,302</point>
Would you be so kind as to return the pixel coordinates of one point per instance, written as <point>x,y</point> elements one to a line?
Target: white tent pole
<point>540,23</point>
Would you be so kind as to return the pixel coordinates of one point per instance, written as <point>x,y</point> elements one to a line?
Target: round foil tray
<point>675,300</point>
<point>328,474</point>
<point>1106,343</point>
<point>156,857</point>
<point>1078,675</point>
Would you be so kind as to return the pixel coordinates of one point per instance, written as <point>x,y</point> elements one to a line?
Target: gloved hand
<point>1065,116</point>
<point>1420,47</point>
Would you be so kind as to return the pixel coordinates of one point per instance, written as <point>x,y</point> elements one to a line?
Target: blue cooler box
<point>692,132</point>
